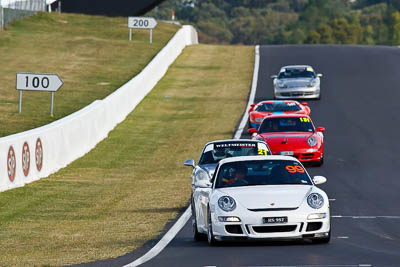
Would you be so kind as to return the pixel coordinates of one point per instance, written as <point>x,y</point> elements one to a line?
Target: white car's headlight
<point>316,216</point>
<point>228,219</point>
<point>312,141</point>
<point>226,203</point>
<point>312,83</point>
<point>315,200</point>
<point>281,84</point>
<point>202,175</point>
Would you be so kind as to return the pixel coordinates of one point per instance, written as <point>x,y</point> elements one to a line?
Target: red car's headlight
<point>312,141</point>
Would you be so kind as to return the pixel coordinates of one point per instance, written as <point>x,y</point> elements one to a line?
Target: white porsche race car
<point>261,197</point>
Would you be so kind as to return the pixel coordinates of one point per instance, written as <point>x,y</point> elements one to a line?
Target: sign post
<point>141,23</point>
<point>38,82</point>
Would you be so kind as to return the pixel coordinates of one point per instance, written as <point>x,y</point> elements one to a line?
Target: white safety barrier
<point>28,156</point>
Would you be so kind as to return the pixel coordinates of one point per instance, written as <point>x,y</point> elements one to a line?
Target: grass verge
<point>123,192</point>
<point>91,54</point>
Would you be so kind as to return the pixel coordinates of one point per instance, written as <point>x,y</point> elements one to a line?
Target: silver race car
<point>297,81</point>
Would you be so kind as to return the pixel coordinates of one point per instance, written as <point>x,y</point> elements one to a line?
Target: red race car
<point>263,109</point>
<point>292,135</point>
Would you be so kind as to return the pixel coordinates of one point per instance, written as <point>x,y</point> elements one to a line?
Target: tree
<point>289,21</point>
<point>298,5</point>
<point>368,35</point>
<point>395,28</point>
<point>242,29</point>
<point>313,37</point>
<point>212,33</point>
<point>326,34</point>
<point>240,12</point>
<point>340,27</point>
<point>297,36</point>
<point>382,36</point>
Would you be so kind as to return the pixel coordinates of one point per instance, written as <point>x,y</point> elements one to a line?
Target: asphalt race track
<point>359,107</point>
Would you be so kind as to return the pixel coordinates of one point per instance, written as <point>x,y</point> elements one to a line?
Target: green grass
<point>91,54</point>
<point>123,192</point>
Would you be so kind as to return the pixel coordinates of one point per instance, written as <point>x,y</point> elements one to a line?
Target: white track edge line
<point>164,240</point>
<point>242,124</point>
<point>313,265</point>
<point>154,251</point>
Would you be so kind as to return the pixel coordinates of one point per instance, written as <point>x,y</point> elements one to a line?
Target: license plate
<point>275,220</point>
<point>286,153</point>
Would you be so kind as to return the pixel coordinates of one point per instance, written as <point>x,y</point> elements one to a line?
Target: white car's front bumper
<point>251,226</point>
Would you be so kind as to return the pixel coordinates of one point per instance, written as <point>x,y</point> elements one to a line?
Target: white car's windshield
<point>261,172</point>
<point>295,73</point>
<point>213,153</point>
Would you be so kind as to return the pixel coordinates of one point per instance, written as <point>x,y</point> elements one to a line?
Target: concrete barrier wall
<point>28,156</point>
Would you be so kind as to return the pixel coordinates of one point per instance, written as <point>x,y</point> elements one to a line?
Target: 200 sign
<point>140,23</point>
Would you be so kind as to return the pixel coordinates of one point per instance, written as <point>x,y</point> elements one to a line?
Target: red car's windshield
<point>278,107</point>
<point>286,124</point>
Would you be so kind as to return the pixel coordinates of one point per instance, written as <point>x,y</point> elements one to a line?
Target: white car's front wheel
<point>323,240</point>
<point>197,236</point>
<point>210,235</point>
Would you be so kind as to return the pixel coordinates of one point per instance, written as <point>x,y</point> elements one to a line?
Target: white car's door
<point>201,197</point>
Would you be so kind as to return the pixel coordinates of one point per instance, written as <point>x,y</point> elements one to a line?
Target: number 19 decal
<point>304,119</point>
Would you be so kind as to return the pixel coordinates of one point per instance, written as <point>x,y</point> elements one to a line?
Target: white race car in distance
<point>261,197</point>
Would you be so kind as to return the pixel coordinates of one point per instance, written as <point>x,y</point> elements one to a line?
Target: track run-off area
<point>360,97</point>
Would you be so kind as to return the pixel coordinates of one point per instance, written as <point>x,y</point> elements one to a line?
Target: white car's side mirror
<point>319,75</point>
<point>189,162</point>
<point>203,184</point>
<point>319,179</point>
<point>274,76</point>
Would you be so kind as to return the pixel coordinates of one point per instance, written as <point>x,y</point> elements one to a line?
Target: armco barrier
<point>28,156</point>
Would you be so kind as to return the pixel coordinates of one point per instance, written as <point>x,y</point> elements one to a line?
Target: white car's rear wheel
<point>197,236</point>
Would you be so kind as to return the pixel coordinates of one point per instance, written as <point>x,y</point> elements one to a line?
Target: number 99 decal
<point>294,169</point>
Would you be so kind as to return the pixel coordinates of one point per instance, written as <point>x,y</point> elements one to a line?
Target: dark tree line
<point>288,21</point>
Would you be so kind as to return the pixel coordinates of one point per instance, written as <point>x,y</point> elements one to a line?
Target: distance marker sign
<point>38,82</point>
<point>141,23</point>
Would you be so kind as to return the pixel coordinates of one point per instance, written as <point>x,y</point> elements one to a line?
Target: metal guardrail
<point>11,10</point>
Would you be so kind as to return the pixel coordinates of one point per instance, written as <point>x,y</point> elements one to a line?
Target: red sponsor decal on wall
<point>39,154</point>
<point>26,159</point>
<point>11,164</point>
